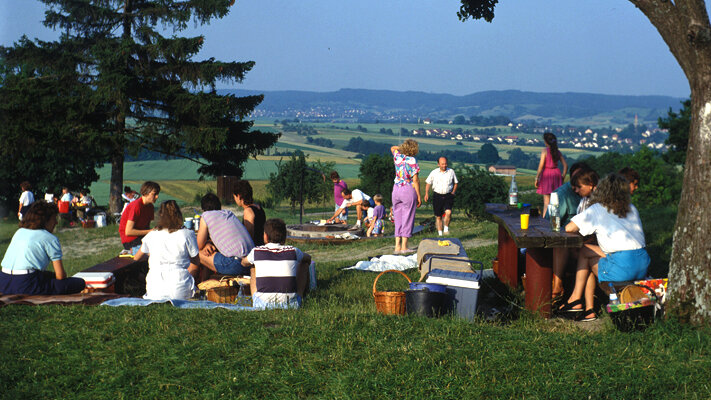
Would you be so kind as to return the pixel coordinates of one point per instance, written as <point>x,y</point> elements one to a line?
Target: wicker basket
<point>390,303</point>
<point>223,294</point>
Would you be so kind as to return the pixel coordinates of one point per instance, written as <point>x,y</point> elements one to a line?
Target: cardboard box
<point>462,287</point>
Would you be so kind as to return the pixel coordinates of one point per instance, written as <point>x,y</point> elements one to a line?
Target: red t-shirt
<point>141,215</point>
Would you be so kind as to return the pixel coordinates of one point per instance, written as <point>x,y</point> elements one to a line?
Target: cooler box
<point>97,281</point>
<point>462,288</point>
<point>63,207</point>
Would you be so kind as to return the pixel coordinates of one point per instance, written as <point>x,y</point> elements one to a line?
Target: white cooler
<point>97,281</point>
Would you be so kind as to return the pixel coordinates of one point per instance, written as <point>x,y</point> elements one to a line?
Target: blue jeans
<point>229,265</point>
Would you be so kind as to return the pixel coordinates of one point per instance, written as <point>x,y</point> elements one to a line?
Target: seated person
<point>280,272</point>
<point>584,184</point>
<point>85,200</point>
<point>354,198</point>
<point>172,256</point>
<point>128,196</point>
<point>632,177</point>
<point>254,216</point>
<point>222,239</point>
<point>376,223</point>
<point>136,220</point>
<point>620,254</point>
<point>32,248</point>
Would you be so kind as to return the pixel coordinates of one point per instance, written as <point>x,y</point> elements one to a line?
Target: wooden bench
<point>539,241</point>
<point>130,274</point>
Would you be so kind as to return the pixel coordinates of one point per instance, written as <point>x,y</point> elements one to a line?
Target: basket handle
<point>386,271</point>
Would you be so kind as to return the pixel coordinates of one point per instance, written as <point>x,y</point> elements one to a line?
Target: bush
<point>286,183</point>
<point>476,188</point>
<point>377,172</point>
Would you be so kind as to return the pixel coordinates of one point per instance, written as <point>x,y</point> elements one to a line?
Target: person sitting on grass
<point>620,254</point>
<point>254,216</point>
<point>376,224</point>
<point>31,249</point>
<point>280,272</point>
<point>136,219</point>
<point>222,239</point>
<point>173,256</point>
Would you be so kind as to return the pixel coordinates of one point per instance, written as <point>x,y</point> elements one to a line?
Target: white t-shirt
<point>613,233</point>
<point>27,198</point>
<point>67,197</point>
<point>442,182</point>
<point>358,196</point>
<point>168,262</point>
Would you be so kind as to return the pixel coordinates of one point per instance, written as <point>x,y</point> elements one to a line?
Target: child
<point>280,272</point>
<point>376,223</point>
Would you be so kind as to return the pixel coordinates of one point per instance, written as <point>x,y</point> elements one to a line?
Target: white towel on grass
<point>386,262</point>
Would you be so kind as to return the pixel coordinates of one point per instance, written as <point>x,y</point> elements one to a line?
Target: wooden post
<point>539,275</point>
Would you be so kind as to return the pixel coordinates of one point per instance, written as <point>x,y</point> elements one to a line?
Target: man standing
<point>222,239</point>
<point>443,182</point>
<point>136,219</point>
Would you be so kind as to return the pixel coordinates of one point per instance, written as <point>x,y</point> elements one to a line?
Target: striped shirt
<point>227,233</point>
<point>275,269</point>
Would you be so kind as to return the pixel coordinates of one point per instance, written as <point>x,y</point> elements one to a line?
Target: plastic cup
<point>189,223</point>
<point>524,220</point>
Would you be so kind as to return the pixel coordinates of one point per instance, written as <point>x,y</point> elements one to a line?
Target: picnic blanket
<point>386,262</point>
<point>135,301</point>
<point>88,299</point>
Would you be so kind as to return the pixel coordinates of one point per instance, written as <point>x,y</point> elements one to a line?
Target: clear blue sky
<point>601,46</point>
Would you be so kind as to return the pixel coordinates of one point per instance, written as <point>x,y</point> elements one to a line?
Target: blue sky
<point>601,46</point>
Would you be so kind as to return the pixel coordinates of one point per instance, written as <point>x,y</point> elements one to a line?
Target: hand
<point>419,202</point>
<point>209,250</point>
<point>535,183</point>
<point>427,196</point>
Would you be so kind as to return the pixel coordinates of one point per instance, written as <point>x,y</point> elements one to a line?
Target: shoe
<point>586,316</point>
<point>568,307</point>
<point>446,230</point>
<point>439,232</point>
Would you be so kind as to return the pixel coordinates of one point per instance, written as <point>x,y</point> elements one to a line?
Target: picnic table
<point>539,241</point>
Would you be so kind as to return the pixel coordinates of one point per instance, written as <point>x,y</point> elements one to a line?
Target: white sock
<point>440,233</point>
<point>358,223</point>
<point>446,229</point>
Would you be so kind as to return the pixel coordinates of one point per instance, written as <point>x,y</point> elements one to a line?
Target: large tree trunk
<point>690,267</point>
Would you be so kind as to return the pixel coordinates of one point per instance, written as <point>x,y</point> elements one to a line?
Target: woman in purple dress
<point>548,177</point>
<point>406,192</point>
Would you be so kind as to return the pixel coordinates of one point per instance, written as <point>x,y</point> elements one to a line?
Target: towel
<point>386,262</point>
<point>135,301</point>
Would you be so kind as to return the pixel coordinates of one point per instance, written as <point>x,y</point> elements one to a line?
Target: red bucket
<point>63,207</point>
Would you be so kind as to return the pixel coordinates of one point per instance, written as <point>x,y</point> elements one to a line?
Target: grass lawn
<point>335,347</point>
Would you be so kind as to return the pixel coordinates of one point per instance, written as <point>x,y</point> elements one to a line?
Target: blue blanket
<point>134,301</point>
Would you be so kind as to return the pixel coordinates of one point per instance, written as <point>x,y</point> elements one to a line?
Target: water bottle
<point>613,295</point>
<point>513,192</point>
<point>554,213</point>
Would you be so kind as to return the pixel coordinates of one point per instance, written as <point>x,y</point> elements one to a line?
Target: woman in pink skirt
<point>548,177</point>
<point>406,192</point>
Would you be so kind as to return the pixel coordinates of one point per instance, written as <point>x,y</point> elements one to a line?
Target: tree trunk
<point>116,186</point>
<point>690,266</point>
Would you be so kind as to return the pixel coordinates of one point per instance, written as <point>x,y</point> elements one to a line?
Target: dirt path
<point>81,249</point>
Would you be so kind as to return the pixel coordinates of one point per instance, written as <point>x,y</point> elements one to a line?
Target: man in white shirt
<point>354,198</point>
<point>443,182</point>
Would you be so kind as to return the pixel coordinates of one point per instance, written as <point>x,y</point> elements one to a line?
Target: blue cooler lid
<point>454,278</point>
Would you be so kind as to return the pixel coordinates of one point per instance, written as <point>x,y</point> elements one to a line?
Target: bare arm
<point>540,167</point>
<point>248,220</point>
<point>338,212</point>
<point>571,227</point>
<point>416,184</point>
<point>59,269</point>
<point>427,192</point>
<point>246,263</point>
<point>139,255</point>
<point>203,236</point>
<point>132,231</point>
<point>394,148</point>
<point>565,166</point>
<point>454,189</point>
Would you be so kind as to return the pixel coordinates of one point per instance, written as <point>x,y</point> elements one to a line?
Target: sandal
<point>568,307</point>
<point>586,316</point>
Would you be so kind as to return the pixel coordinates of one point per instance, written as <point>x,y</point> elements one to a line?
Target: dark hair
<point>244,190</point>
<point>38,215</point>
<point>346,191</point>
<point>148,187</point>
<point>275,228</point>
<point>334,175</point>
<point>169,216</point>
<point>552,142</point>
<point>210,202</point>
<point>630,174</point>
<point>586,177</point>
<point>25,186</point>
<point>83,192</point>
<point>580,165</point>
<point>614,194</point>
<point>127,189</point>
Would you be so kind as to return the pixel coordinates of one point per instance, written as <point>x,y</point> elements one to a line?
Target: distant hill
<point>560,108</point>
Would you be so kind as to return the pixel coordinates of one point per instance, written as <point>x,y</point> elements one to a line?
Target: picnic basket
<point>390,303</point>
<point>225,290</point>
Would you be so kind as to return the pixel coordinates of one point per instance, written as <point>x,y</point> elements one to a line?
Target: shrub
<point>287,182</point>
<point>377,172</point>
<point>476,188</point>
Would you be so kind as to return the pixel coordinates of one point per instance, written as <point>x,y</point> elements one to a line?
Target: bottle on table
<point>513,192</point>
<point>554,212</point>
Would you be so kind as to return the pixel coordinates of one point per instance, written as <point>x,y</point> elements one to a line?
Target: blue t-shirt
<point>31,249</point>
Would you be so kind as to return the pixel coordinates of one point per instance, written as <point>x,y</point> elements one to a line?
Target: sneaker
<point>446,230</point>
<point>440,233</point>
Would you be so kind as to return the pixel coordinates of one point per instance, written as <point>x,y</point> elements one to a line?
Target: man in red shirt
<point>136,218</point>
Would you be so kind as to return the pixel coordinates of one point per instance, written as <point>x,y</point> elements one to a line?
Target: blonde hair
<point>410,147</point>
<point>378,198</point>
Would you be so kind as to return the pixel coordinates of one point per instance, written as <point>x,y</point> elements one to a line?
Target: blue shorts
<point>229,265</point>
<point>626,265</point>
<point>377,227</point>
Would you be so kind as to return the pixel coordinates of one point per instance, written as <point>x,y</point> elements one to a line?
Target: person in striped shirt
<point>280,272</point>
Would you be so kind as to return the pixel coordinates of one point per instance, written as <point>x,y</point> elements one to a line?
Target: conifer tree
<point>144,82</point>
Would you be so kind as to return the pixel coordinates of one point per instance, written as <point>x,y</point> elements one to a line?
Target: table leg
<point>539,275</point>
<point>508,259</point>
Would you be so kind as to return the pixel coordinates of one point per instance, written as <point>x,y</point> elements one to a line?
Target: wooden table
<point>130,274</point>
<point>539,241</point>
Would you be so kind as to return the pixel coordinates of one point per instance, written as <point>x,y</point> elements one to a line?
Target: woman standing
<point>548,177</point>
<point>173,256</point>
<point>406,192</point>
<point>26,199</point>
<point>32,248</point>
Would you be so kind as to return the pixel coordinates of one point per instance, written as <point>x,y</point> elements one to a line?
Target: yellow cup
<point>524,220</point>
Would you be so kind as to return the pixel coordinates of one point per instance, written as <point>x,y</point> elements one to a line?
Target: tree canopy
<point>141,88</point>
